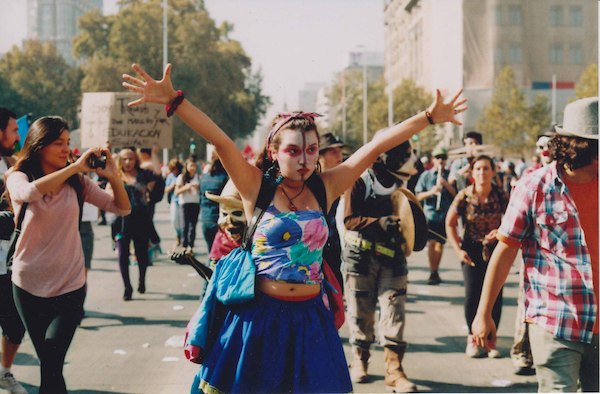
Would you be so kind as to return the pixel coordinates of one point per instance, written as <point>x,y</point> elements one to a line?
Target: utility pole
<point>165,61</point>
<point>365,85</point>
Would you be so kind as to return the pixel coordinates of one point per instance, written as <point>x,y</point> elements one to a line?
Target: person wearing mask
<point>212,181</point>
<point>48,271</point>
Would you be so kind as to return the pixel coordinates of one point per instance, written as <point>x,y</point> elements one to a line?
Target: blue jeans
<point>560,364</point>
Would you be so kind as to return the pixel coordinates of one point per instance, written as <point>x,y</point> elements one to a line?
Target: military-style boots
<point>359,365</point>
<point>395,378</point>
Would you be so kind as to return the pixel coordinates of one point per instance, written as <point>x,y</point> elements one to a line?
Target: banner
<point>105,117</point>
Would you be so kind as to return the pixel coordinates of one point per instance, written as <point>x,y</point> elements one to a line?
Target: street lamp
<point>165,60</point>
<point>365,114</point>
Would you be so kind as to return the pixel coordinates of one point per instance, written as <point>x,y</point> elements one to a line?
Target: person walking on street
<point>212,181</point>
<point>436,195</point>
<point>137,226</point>
<point>187,190</point>
<point>48,271</point>
<point>175,168</point>
<point>330,156</point>
<point>284,339</point>
<point>480,208</point>
<point>12,326</point>
<point>553,218</point>
<point>375,268</point>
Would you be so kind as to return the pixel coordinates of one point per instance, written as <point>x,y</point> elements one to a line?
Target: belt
<point>365,244</point>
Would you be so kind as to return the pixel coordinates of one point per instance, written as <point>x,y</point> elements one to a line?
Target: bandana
<point>287,117</point>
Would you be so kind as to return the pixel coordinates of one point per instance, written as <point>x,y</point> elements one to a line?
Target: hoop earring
<point>273,175</point>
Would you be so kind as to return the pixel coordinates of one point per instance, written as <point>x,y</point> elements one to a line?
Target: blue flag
<point>23,129</point>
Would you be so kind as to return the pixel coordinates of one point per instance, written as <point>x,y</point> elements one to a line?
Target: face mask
<point>232,221</point>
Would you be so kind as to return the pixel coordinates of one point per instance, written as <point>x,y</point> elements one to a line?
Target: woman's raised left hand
<point>442,112</point>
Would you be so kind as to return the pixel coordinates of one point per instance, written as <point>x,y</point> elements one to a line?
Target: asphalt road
<point>136,346</point>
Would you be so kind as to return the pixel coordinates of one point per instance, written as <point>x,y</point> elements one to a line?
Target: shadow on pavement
<point>456,344</point>
<point>125,321</point>
<point>433,386</point>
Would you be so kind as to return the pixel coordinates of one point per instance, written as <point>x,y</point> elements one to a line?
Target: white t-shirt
<point>192,195</point>
<point>4,244</point>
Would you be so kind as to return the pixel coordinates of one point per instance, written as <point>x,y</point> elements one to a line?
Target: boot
<point>395,378</point>
<point>359,365</point>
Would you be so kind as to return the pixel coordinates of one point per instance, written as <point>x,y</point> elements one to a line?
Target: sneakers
<point>494,353</point>
<point>434,279</point>
<point>8,382</point>
<point>473,350</point>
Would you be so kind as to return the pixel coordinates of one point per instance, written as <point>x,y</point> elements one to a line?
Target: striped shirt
<point>542,218</point>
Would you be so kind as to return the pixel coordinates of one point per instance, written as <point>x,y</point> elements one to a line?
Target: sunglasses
<point>442,157</point>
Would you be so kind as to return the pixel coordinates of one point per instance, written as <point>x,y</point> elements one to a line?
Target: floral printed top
<point>480,218</point>
<point>288,246</point>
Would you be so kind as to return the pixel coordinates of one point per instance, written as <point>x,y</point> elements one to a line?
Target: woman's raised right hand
<point>152,90</point>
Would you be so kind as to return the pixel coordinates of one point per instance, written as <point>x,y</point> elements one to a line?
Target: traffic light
<point>192,146</point>
<point>415,137</point>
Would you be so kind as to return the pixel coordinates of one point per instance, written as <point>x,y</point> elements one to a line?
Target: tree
<point>213,69</point>
<point>408,99</point>
<point>42,81</point>
<point>508,121</point>
<point>587,86</point>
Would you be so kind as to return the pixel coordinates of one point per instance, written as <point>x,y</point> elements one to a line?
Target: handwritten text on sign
<point>106,117</point>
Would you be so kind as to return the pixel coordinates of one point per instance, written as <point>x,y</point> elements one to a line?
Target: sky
<point>293,42</point>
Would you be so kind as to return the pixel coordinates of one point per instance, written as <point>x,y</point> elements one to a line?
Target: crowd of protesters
<point>485,207</point>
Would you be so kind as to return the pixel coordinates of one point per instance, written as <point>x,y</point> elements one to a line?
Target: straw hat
<point>581,119</point>
<point>229,196</point>
<point>412,220</point>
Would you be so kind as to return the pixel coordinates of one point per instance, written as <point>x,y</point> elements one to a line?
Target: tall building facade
<point>56,21</point>
<point>465,43</point>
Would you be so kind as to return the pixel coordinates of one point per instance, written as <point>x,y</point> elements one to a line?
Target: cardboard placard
<point>106,117</point>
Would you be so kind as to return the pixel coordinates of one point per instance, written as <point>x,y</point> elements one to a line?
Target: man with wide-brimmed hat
<point>553,217</point>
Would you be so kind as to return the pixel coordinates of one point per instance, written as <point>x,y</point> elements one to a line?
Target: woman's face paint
<point>298,154</point>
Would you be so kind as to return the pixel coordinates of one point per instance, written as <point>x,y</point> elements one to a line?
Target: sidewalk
<point>136,346</point>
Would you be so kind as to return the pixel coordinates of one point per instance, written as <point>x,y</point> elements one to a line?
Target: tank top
<point>288,246</point>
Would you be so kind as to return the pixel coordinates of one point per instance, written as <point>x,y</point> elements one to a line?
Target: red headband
<point>287,117</point>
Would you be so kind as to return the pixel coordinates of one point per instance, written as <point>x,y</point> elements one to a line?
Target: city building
<point>465,43</point>
<point>56,21</point>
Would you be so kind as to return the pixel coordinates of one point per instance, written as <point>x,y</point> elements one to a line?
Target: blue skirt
<point>274,346</point>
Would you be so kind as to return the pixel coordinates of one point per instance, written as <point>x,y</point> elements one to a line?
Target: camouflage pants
<point>362,292</point>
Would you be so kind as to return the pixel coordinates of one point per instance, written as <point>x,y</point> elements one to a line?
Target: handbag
<point>232,283</point>
<point>333,289</point>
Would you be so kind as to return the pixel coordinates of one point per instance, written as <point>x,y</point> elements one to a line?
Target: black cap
<point>328,140</point>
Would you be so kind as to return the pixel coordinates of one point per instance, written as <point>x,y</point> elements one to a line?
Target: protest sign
<point>106,117</point>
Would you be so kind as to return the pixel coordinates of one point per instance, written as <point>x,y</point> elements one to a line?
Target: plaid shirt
<point>559,291</point>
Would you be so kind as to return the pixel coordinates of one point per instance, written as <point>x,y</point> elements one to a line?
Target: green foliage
<point>213,70</point>
<point>587,86</point>
<point>37,80</point>
<point>408,99</point>
<point>508,122</point>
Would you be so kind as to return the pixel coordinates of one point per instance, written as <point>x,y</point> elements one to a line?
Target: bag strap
<point>21,217</point>
<point>317,187</point>
<point>265,196</point>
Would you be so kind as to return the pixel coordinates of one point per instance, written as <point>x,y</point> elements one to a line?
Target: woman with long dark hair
<point>48,266</point>
<point>480,206</point>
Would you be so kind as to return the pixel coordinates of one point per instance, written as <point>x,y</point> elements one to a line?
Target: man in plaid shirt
<point>553,217</point>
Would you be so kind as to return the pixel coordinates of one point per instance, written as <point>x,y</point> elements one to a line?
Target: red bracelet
<point>429,117</point>
<point>172,107</point>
